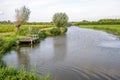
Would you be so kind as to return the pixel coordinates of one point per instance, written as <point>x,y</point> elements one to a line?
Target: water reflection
<point>23,57</point>
<point>60,48</point>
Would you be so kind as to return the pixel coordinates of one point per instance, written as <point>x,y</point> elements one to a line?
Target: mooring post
<point>31,42</point>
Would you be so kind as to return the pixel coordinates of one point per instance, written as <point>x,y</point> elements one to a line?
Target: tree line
<point>84,22</point>
<point>101,21</point>
<point>6,22</point>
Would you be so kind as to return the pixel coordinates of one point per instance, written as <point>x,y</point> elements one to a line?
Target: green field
<point>114,29</point>
<point>11,28</point>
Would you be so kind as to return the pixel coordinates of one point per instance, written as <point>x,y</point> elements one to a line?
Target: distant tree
<point>22,16</point>
<point>85,21</point>
<point>60,19</point>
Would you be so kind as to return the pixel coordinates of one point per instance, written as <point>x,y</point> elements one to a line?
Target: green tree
<point>60,19</point>
<point>22,16</point>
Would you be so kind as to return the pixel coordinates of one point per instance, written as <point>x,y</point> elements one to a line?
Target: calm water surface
<point>81,54</point>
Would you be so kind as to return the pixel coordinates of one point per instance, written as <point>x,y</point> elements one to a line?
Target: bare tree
<point>22,16</point>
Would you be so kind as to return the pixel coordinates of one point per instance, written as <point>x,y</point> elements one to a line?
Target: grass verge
<point>114,29</point>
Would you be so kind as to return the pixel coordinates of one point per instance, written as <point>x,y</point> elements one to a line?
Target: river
<point>81,54</point>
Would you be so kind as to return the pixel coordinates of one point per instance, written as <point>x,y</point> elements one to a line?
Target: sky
<point>77,10</point>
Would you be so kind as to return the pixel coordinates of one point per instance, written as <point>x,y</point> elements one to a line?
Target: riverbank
<point>8,73</point>
<point>114,29</point>
<point>8,39</point>
<point>71,56</point>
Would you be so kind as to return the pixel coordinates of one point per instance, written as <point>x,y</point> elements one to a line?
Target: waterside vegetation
<point>9,38</point>
<point>10,33</point>
<point>108,25</point>
<point>114,29</point>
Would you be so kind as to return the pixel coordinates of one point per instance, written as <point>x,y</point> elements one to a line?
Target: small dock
<point>29,39</point>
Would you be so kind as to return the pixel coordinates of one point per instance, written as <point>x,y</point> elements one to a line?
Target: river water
<point>81,54</point>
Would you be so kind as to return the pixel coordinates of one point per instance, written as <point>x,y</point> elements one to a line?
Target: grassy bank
<point>114,29</point>
<point>8,73</point>
<point>8,36</point>
<point>8,39</point>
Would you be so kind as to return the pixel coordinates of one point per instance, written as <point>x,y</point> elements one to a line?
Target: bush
<point>68,24</point>
<point>26,31</point>
<point>55,31</point>
<point>1,42</point>
<point>34,31</point>
<point>42,34</point>
<point>7,42</point>
<point>23,32</point>
<point>64,30</point>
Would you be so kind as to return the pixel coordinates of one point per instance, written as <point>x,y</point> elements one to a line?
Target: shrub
<point>55,31</point>
<point>26,31</point>
<point>64,30</point>
<point>7,43</point>
<point>42,34</point>
<point>23,32</point>
<point>69,24</point>
<point>1,42</point>
<point>34,30</point>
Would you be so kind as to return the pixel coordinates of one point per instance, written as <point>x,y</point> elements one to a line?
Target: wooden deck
<point>29,39</point>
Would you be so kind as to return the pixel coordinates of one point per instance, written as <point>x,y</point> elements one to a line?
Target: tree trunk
<point>17,28</point>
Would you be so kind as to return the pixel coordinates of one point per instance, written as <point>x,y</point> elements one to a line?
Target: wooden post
<point>31,41</point>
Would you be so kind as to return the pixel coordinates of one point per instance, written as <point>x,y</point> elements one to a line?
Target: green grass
<point>9,73</point>
<point>7,28</point>
<point>114,29</point>
<point>11,28</point>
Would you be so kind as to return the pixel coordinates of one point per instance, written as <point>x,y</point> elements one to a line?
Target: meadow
<point>114,29</point>
<point>5,28</point>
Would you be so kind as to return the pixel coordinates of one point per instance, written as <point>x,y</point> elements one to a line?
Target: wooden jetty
<point>30,39</point>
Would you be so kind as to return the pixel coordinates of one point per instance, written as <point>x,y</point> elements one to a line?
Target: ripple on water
<point>73,73</point>
<point>110,44</point>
